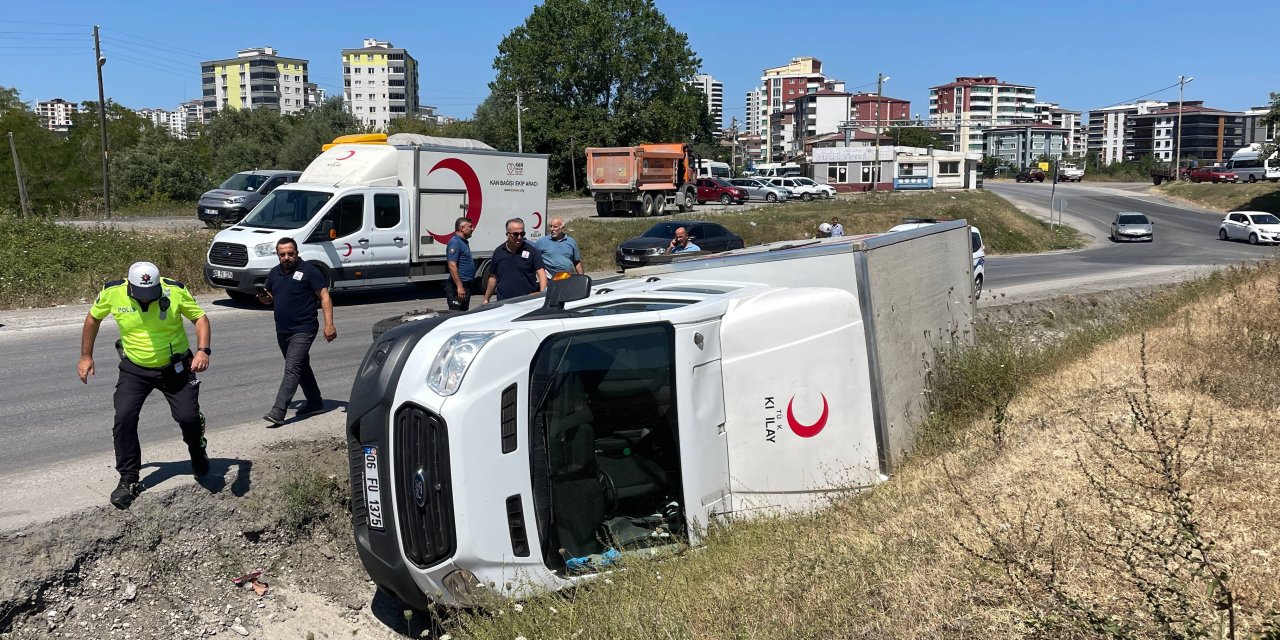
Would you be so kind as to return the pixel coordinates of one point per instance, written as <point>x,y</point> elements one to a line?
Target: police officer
<point>154,354</point>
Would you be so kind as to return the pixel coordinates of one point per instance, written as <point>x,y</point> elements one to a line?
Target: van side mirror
<point>565,290</point>
<point>326,230</point>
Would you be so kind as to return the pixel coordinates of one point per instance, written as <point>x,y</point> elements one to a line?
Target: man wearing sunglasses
<point>297,288</point>
<point>516,266</point>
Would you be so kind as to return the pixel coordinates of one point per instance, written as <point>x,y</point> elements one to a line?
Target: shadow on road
<point>329,405</point>
<point>406,621</point>
<point>214,482</point>
<point>424,293</point>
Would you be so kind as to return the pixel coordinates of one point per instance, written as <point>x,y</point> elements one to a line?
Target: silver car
<point>1131,226</point>
<point>761,190</point>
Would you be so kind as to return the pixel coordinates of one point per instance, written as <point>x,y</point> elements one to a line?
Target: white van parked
<point>380,214</point>
<point>1249,165</point>
<point>713,169</point>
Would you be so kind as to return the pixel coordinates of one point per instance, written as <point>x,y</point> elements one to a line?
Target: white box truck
<point>529,445</point>
<point>377,215</point>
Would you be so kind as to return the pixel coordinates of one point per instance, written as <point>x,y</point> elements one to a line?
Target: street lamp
<point>880,80</point>
<point>1177,154</point>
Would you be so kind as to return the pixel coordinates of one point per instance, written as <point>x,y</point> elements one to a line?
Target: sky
<point>1083,55</point>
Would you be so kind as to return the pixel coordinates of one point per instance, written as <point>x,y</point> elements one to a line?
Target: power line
<point>1137,98</point>
<point>191,70</point>
<point>56,24</point>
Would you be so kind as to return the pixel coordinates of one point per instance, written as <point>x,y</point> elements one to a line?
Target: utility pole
<point>880,80</point>
<point>573,162</point>
<point>1177,154</point>
<point>99,60</point>
<point>519,127</point>
<point>22,186</point>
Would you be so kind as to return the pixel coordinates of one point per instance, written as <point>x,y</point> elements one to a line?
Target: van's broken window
<point>605,457</point>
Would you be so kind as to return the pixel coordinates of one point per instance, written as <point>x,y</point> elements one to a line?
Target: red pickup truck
<point>710,189</point>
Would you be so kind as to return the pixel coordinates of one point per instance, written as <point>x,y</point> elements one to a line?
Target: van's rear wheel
<point>1252,178</point>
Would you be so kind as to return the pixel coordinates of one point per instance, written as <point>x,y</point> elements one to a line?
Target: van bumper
<point>244,280</point>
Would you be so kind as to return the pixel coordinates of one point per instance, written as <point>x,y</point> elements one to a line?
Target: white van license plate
<point>372,488</point>
<point>224,275</point>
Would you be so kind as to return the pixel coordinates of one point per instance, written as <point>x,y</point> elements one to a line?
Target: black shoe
<point>199,463</point>
<point>124,494</point>
<point>310,409</point>
<point>274,419</point>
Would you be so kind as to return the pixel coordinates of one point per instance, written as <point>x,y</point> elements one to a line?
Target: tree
<point>1273,119</point>
<point>594,73</point>
<point>39,151</point>
<point>916,137</point>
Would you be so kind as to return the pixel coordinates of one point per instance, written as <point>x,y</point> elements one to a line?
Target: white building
<point>714,91</point>
<point>781,85</point>
<point>961,109</point>
<point>1052,114</point>
<point>257,78</point>
<point>1111,129</point>
<point>57,114</point>
<point>379,83</point>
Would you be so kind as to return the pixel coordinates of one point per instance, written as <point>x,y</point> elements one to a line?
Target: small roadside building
<point>858,169</point>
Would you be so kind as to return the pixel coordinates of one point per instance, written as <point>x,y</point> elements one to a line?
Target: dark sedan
<point>651,246</point>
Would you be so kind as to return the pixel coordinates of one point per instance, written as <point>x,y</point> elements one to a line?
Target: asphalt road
<point>48,417</point>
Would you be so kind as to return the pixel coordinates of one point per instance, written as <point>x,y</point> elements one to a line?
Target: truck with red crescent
<point>532,444</point>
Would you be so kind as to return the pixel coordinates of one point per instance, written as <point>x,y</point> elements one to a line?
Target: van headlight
<point>453,360</point>
<point>265,249</point>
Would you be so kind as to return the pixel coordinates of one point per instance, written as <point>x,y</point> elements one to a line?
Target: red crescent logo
<point>475,197</point>
<point>348,249</point>
<point>350,152</point>
<point>807,430</point>
<point>537,224</point>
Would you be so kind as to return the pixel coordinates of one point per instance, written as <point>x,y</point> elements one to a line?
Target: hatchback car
<point>712,189</point>
<point>1030,174</point>
<point>761,190</point>
<point>1256,227</point>
<point>1132,226</point>
<point>1212,174</point>
<point>239,194</point>
<point>651,246</point>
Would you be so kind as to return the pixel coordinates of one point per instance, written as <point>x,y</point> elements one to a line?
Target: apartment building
<point>192,114</point>
<point>1052,114</point>
<point>1255,130</point>
<point>57,114</point>
<point>821,112</point>
<point>1022,145</point>
<point>714,91</point>
<point>1208,134</point>
<point>781,85</point>
<point>870,110</point>
<point>1111,130</point>
<point>379,83</point>
<point>781,135</point>
<point>257,78</point>
<point>174,122</point>
<point>963,108</point>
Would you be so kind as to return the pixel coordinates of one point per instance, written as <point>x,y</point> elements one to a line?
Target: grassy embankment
<point>1004,228</point>
<point>61,264</point>
<point>1117,481</point>
<point>1259,196</point>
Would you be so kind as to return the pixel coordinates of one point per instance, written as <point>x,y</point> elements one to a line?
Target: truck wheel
<point>1155,180</point>
<point>646,204</point>
<point>659,202</point>
<point>242,297</point>
<point>686,202</point>
<point>482,278</point>
<point>604,209</point>
<point>726,199</point>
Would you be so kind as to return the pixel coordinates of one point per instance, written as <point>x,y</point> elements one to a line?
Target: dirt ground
<point>165,568</point>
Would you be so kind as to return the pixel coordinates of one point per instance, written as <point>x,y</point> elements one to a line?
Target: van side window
<point>386,210</point>
<point>347,216</point>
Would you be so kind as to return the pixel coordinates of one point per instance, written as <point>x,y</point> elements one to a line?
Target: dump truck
<point>532,444</point>
<point>642,180</point>
<point>378,212</point>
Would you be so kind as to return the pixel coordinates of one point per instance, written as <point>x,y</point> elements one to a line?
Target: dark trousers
<point>451,294</point>
<point>296,349</point>
<point>182,390</point>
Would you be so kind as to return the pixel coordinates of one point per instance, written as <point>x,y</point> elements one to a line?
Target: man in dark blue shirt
<point>462,269</point>
<point>516,266</point>
<point>297,288</point>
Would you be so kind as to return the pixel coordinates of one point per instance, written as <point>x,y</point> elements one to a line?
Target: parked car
<point>1132,226</point>
<point>1213,174</point>
<point>761,190</point>
<point>1030,174</point>
<point>239,194</point>
<point>804,188</point>
<point>651,246</point>
<point>975,241</point>
<point>1255,226</point>
<point>713,189</point>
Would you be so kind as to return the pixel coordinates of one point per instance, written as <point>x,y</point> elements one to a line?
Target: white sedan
<point>1254,226</point>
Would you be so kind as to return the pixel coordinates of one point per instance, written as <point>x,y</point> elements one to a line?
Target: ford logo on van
<point>420,489</point>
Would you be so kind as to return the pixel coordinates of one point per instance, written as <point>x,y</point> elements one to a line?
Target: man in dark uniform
<point>297,288</point>
<point>462,268</point>
<point>516,268</point>
<point>154,354</point>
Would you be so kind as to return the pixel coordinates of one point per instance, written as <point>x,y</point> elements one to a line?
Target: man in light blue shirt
<point>559,251</point>
<point>682,243</point>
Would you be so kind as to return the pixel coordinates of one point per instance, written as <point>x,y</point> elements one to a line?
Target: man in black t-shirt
<point>297,288</point>
<point>516,267</point>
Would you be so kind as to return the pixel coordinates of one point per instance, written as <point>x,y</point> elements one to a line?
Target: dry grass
<point>1128,493</point>
<point>1004,228</point>
<point>1260,196</point>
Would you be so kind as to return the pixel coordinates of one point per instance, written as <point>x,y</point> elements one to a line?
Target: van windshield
<point>283,209</point>
<point>604,432</point>
<point>243,182</point>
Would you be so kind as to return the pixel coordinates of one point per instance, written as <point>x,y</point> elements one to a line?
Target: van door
<point>388,239</point>
<point>346,246</point>
<point>438,209</point>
